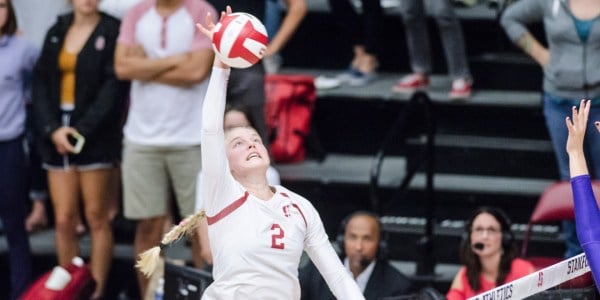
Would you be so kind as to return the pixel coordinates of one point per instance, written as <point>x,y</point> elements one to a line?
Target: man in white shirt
<point>168,61</point>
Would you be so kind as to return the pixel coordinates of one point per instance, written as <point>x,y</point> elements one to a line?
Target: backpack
<point>290,101</point>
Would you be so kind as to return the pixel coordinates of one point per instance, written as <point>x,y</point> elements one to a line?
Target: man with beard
<point>363,252</point>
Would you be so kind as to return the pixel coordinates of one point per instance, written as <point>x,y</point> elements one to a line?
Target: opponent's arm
<point>587,214</point>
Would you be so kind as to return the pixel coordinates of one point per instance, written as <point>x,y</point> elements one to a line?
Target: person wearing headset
<point>488,253</point>
<point>363,248</point>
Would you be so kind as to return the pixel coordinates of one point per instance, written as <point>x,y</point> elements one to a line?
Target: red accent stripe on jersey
<point>285,195</point>
<point>301,213</point>
<point>227,210</point>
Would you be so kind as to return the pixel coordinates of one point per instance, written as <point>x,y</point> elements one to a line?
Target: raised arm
<point>587,214</point>
<point>216,178</point>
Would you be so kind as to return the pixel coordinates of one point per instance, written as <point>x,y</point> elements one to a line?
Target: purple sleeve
<point>587,219</point>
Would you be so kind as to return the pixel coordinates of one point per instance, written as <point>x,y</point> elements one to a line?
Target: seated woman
<point>587,214</point>
<point>489,255</point>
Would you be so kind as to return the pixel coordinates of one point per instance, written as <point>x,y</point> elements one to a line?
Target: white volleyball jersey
<point>257,244</point>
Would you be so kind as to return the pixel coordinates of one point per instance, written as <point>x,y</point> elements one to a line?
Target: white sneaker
<point>325,83</point>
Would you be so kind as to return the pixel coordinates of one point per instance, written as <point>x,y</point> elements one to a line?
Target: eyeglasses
<point>488,230</point>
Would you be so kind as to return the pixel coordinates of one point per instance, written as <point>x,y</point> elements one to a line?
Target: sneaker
<point>354,77</point>
<point>461,89</point>
<point>325,83</point>
<point>411,83</point>
<point>359,78</point>
<point>346,75</point>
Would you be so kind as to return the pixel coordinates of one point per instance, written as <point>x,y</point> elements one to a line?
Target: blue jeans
<point>555,111</point>
<point>417,36</point>
<point>272,17</point>
<point>13,210</point>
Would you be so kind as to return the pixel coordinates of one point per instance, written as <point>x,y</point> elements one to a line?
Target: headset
<point>382,247</point>
<point>508,237</point>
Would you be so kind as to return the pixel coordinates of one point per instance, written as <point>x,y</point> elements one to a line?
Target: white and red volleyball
<point>240,40</point>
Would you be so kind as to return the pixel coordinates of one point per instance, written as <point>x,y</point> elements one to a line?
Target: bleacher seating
<point>490,150</point>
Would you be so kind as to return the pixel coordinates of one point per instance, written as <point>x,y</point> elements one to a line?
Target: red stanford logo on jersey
<point>286,211</point>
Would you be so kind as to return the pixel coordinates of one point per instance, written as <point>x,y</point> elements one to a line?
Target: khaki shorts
<point>149,173</point>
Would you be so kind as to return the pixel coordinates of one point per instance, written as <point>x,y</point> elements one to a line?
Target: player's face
<point>245,151</point>
<point>361,240</point>
<point>3,12</point>
<point>234,118</point>
<point>85,7</point>
<point>488,231</point>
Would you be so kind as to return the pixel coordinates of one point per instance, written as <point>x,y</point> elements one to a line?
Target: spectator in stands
<point>17,58</point>
<point>488,253</point>
<point>38,181</point>
<point>161,51</point>
<point>235,116</point>
<point>570,66</point>
<point>417,39</point>
<point>34,24</point>
<point>364,250</point>
<point>279,33</point>
<point>587,214</point>
<point>76,93</point>
<point>364,30</point>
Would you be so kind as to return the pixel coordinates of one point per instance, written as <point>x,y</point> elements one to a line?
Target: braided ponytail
<point>148,260</point>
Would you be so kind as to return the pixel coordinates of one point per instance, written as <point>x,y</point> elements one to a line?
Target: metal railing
<point>400,130</point>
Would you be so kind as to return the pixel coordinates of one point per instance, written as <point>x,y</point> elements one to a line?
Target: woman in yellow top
<point>77,98</point>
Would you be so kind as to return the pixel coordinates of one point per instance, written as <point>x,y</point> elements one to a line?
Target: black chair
<point>183,282</point>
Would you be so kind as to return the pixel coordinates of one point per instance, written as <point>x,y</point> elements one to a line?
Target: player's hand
<point>577,125</point>
<point>208,31</point>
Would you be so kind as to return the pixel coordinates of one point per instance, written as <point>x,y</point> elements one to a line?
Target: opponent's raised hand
<point>577,124</point>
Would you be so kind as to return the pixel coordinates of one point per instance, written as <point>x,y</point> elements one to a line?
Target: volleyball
<point>240,40</point>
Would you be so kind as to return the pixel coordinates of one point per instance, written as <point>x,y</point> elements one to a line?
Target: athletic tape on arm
<point>538,281</point>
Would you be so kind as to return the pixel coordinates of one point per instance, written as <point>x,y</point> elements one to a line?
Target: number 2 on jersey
<point>277,237</point>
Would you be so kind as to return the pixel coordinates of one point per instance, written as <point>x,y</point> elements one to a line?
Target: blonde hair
<point>149,260</point>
